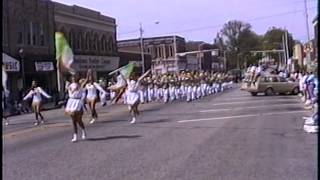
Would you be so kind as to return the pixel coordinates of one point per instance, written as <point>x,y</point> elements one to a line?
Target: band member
<point>92,97</point>
<point>150,89</point>
<point>74,106</point>
<point>35,93</point>
<point>132,95</point>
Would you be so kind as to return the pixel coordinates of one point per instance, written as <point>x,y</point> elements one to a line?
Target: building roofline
<point>133,52</point>
<point>75,7</point>
<point>149,38</point>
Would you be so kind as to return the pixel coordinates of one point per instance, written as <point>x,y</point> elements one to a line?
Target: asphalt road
<point>225,136</point>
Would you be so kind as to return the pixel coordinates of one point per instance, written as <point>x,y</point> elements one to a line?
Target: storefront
<point>13,70</point>
<point>100,65</point>
<point>44,73</point>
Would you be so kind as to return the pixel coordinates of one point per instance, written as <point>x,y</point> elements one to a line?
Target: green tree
<point>273,40</point>
<point>239,40</point>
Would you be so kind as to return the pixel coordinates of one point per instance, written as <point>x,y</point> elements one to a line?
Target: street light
<point>21,54</point>
<point>141,46</point>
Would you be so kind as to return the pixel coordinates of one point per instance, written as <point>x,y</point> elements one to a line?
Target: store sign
<point>96,63</point>
<point>44,66</point>
<point>11,64</point>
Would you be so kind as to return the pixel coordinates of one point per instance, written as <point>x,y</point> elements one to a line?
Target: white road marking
<point>242,102</point>
<point>250,98</point>
<point>242,116</point>
<point>249,107</point>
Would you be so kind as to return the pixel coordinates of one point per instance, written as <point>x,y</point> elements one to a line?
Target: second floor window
<point>41,36</point>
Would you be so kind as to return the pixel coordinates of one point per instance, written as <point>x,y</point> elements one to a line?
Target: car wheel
<point>269,92</point>
<point>254,93</point>
<point>295,91</point>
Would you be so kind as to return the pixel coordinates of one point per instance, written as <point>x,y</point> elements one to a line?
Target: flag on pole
<point>64,54</point>
<point>127,70</point>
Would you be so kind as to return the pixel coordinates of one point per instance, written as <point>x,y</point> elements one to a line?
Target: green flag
<point>64,54</point>
<point>127,70</point>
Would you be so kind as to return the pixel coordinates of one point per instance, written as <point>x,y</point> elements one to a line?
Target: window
<point>282,79</point>
<point>87,42</point>
<point>110,44</point>
<point>171,51</point>
<point>158,52</point>
<point>71,39</point>
<point>167,52</point>
<point>20,32</point>
<point>41,36</point>
<point>274,79</point>
<point>35,32</point>
<point>103,45</point>
<point>78,40</point>
<point>29,33</point>
<point>95,42</point>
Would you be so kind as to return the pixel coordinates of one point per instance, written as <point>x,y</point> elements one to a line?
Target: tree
<point>239,40</point>
<point>273,40</point>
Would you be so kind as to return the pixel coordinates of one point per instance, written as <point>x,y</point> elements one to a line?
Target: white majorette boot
<point>133,120</point>
<point>74,139</point>
<point>84,134</point>
<point>92,120</point>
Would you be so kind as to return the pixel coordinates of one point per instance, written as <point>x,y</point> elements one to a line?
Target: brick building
<point>134,57</point>
<point>163,52</point>
<point>91,35</point>
<point>28,44</point>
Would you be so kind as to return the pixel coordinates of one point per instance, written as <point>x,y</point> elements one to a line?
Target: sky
<point>200,20</point>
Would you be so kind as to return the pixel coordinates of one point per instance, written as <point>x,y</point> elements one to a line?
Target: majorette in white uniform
<point>35,94</point>
<point>76,98</point>
<point>92,91</point>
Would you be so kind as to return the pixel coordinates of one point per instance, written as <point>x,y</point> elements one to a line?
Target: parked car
<point>271,85</point>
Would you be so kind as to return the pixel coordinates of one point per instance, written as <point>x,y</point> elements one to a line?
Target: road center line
<point>249,107</point>
<point>242,116</point>
<point>251,98</point>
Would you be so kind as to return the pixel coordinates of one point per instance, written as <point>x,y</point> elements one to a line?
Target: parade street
<point>227,136</point>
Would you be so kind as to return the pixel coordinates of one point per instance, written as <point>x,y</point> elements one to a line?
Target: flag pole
<point>118,69</point>
<point>58,79</point>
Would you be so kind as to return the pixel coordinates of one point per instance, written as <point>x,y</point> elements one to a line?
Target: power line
<point>209,27</point>
<point>215,26</point>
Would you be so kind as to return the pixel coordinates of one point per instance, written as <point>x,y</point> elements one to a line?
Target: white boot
<point>74,139</point>
<point>92,121</point>
<point>83,134</point>
<point>133,120</point>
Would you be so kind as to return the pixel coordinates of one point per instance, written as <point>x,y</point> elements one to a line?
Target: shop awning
<point>11,64</point>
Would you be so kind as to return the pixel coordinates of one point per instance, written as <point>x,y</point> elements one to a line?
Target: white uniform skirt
<point>74,105</point>
<point>132,97</point>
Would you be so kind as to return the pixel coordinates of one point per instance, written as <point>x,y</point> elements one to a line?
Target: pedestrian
<point>36,93</point>
<point>74,107</point>
<point>132,95</point>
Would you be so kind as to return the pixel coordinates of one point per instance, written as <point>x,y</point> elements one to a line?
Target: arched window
<point>87,41</point>
<point>110,44</point>
<point>95,42</point>
<point>71,38</point>
<point>79,40</point>
<point>103,43</point>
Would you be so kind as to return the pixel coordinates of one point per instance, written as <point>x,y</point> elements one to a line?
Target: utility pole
<point>287,48</point>
<point>306,16</point>
<point>141,48</point>
<point>284,54</point>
